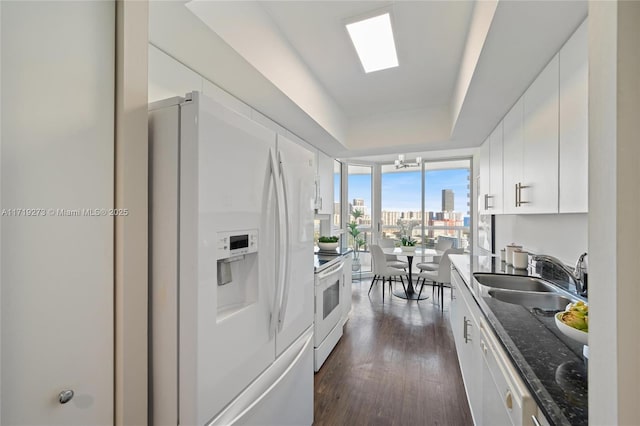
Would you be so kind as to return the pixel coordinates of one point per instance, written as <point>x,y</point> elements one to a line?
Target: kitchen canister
<point>520,259</point>
<point>510,248</point>
<point>503,255</point>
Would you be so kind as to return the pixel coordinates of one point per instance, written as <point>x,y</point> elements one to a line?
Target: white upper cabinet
<point>536,160</point>
<point>530,147</point>
<point>491,198</point>
<point>574,138</point>
<point>538,192</point>
<point>485,177</point>
<point>324,182</point>
<point>495,200</point>
<point>513,139</point>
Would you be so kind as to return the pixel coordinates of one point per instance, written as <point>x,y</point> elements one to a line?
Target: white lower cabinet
<point>497,396</point>
<point>506,400</point>
<point>466,332</point>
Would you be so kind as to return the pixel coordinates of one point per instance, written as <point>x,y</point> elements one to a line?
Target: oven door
<point>328,309</point>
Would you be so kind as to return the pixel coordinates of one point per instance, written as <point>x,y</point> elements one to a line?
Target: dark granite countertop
<point>551,364</point>
<point>323,259</point>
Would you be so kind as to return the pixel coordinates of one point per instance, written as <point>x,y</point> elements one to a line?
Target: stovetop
<point>323,259</point>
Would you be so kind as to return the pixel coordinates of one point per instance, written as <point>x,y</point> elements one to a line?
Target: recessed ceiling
<point>462,65</point>
<point>430,38</point>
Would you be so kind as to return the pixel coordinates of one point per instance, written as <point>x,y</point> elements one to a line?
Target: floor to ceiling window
<point>401,203</point>
<point>427,202</point>
<point>443,187</point>
<point>447,202</point>
<point>359,215</point>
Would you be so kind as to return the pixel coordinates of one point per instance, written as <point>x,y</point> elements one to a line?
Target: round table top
<point>397,251</point>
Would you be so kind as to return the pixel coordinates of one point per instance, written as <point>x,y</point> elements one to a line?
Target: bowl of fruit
<point>574,322</point>
<point>328,243</point>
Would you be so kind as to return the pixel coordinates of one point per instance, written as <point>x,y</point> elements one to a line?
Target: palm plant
<point>356,234</point>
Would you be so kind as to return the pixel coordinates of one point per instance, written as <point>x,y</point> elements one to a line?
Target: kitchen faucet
<point>578,275</point>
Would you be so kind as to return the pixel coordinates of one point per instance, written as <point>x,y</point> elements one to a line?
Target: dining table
<point>425,254</point>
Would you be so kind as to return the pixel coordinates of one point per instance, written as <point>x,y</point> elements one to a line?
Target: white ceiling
<point>462,65</point>
<point>430,38</point>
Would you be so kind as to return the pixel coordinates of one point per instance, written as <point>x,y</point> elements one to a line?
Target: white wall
<point>297,83</point>
<point>174,29</point>
<point>564,236</point>
<point>131,231</point>
<point>58,63</point>
<point>0,199</point>
<point>602,202</point>
<point>614,201</point>
<point>169,77</point>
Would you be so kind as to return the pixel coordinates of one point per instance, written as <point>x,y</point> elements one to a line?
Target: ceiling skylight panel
<point>374,43</point>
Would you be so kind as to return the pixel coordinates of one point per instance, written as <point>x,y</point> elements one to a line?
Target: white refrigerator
<point>231,237</point>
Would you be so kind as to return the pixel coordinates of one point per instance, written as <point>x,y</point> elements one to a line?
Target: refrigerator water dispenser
<point>237,271</point>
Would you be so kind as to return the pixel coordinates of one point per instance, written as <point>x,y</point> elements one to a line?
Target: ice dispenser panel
<point>237,271</point>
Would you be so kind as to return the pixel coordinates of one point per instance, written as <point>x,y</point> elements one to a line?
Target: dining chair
<point>381,271</point>
<point>392,259</point>
<point>440,277</point>
<point>442,245</point>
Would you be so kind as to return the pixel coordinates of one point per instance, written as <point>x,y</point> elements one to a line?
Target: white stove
<point>329,281</point>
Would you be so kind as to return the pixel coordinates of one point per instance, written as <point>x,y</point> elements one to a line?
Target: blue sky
<point>401,191</point>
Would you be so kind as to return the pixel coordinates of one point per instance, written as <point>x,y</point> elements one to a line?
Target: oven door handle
<point>331,270</point>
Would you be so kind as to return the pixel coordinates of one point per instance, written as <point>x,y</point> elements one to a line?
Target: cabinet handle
<point>465,330</point>
<point>486,201</point>
<point>535,420</point>
<point>519,187</point>
<point>509,400</point>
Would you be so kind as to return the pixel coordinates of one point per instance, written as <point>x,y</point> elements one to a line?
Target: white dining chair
<point>442,245</point>
<point>381,271</point>
<point>392,259</point>
<point>440,277</point>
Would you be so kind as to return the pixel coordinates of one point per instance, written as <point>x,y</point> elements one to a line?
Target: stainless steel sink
<point>532,300</point>
<point>513,282</point>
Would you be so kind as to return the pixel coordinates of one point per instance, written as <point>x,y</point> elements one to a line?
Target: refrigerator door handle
<point>274,172</point>
<point>285,252</point>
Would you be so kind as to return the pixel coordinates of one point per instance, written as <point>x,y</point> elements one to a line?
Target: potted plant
<point>408,244</point>
<point>328,243</point>
<point>356,235</point>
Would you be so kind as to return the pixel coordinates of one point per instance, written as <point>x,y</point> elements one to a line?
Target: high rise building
<point>447,200</point>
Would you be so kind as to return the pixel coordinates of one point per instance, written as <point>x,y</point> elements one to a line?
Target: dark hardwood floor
<point>395,365</point>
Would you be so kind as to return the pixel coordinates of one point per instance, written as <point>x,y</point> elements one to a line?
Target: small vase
<point>355,266</point>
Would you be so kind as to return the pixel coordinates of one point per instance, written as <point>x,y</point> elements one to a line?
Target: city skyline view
<point>402,191</point>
